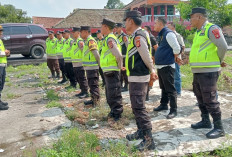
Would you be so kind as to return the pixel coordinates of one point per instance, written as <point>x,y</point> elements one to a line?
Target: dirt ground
<point>29,125</point>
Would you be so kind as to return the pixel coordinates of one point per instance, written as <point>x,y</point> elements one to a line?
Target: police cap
<point>98,31</point>
<point>76,29</point>
<point>108,22</point>
<point>119,25</point>
<point>198,10</point>
<point>86,28</point>
<point>66,31</point>
<point>59,32</point>
<point>51,32</point>
<point>133,14</point>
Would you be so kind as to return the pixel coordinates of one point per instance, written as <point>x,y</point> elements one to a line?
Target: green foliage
<point>114,4</point>
<point>52,104</point>
<point>76,143</point>
<point>10,14</point>
<point>219,11</point>
<point>52,95</point>
<point>12,96</point>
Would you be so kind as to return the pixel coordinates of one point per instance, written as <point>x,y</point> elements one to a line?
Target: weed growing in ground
<point>52,104</point>
<point>52,95</point>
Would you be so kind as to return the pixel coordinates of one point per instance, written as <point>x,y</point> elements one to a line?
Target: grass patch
<point>76,143</point>
<point>52,104</point>
<point>52,95</point>
<point>12,96</point>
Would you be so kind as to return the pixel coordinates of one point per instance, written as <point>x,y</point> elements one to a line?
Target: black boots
<point>171,114</point>
<point>161,107</point>
<point>93,102</point>
<point>218,131</point>
<point>63,80</point>
<point>82,95</point>
<point>58,75</point>
<point>53,75</point>
<point>148,142</point>
<point>3,105</point>
<point>135,136</point>
<point>204,123</point>
<point>125,88</point>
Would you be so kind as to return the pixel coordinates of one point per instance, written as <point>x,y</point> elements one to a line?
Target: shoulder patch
<point>110,44</point>
<point>81,44</point>
<point>124,38</point>
<point>92,45</point>
<point>216,33</point>
<point>137,41</point>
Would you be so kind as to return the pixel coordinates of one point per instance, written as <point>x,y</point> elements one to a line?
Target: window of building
<point>148,11</point>
<point>162,10</point>
<point>170,10</point>
<point>155,11</point>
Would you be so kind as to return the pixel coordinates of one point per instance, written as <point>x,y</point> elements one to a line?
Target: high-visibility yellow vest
<point>108,60</point>
<point>51,46</point>
<point>76,53</point>
<point>134,63</point>
<point>99,44</point>
<point>88,57</point>
<point>59,47</point>
<point>204,52</point>
<point>67,50</point>
<point>3,60</point>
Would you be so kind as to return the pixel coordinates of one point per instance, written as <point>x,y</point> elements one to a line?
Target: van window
<point>6,30</point>
<point>16,30</point>
<point>37,30</point>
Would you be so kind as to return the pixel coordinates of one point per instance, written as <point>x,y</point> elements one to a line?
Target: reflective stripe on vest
<point>51,46</point>
<point>108,60</point>
<point>204,52</point>
<point>88,57</point>
<point>67,47</point>
<point>76,53</point>
<point>59,47</point>
<point>3,60</point>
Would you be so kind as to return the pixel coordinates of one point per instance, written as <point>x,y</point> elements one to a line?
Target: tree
<point>114,4</point>
<point>219,11</point>
<point>9,14</point>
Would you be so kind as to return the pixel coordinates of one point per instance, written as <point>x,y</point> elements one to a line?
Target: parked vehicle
<point>26,39</point>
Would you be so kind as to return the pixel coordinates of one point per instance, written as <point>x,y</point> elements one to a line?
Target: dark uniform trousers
<point>113,92</point>
<point>62,67</point>
<point>93,79</point>
<point>102,75</point>
<point>166,82</point>
<point>124,77</point>
<point>205,89</point>
<point>81,78</point>
<point>53,65</point>
<point>138,92</point>
<point>2,78</point>
<point>70,73</point>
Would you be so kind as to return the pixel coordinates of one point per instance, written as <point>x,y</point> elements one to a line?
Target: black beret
<point>133,13</point>
<point>66,31</point>
<point>108,22</point>
<point>86,28</point>
<point>198,10</point>
<point>98,31</point>
<point>1,29</point>
<point>76,29</point>
<point>119,25</point>
<point>59,32</point>
<point>50,32</point>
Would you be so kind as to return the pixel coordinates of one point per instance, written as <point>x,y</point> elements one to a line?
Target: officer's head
<point>76,32</point>
<point>198,17</point>
<point>172,26</point>
<point>147,28</point>
<point>66,34</point>
<point>1,31</point>
<point>160,23</point>
<point>51,34</point>
<point>133,21</point>
<point>85,32</point>
<point>118,27</point>
<point>99,34</point>
<point>107,26</point>
<point>59,34</point>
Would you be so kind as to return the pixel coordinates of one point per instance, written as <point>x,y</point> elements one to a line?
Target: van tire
<point>37,52</point>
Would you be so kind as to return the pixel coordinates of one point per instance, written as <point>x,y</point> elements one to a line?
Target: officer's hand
<point>154,76</point>
<point>223,64</point>
<point>178,61</point>
<point>7,53</point>
<point>123,69</point>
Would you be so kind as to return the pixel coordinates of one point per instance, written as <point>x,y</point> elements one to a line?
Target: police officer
<point>59,54</point>
<point>67,58</point>
<point>76,55</point>
<point>91,62</point>
<point>154,45</point>
<point>52,60</point>
<point>139,65</point>
<point>123,40</point>
<point>3,63</point>
<point>99,43</point>
<point>206,58</point>
<point>111,64</point>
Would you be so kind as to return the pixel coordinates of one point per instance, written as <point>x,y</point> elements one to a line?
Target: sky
<point>56,8</point>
